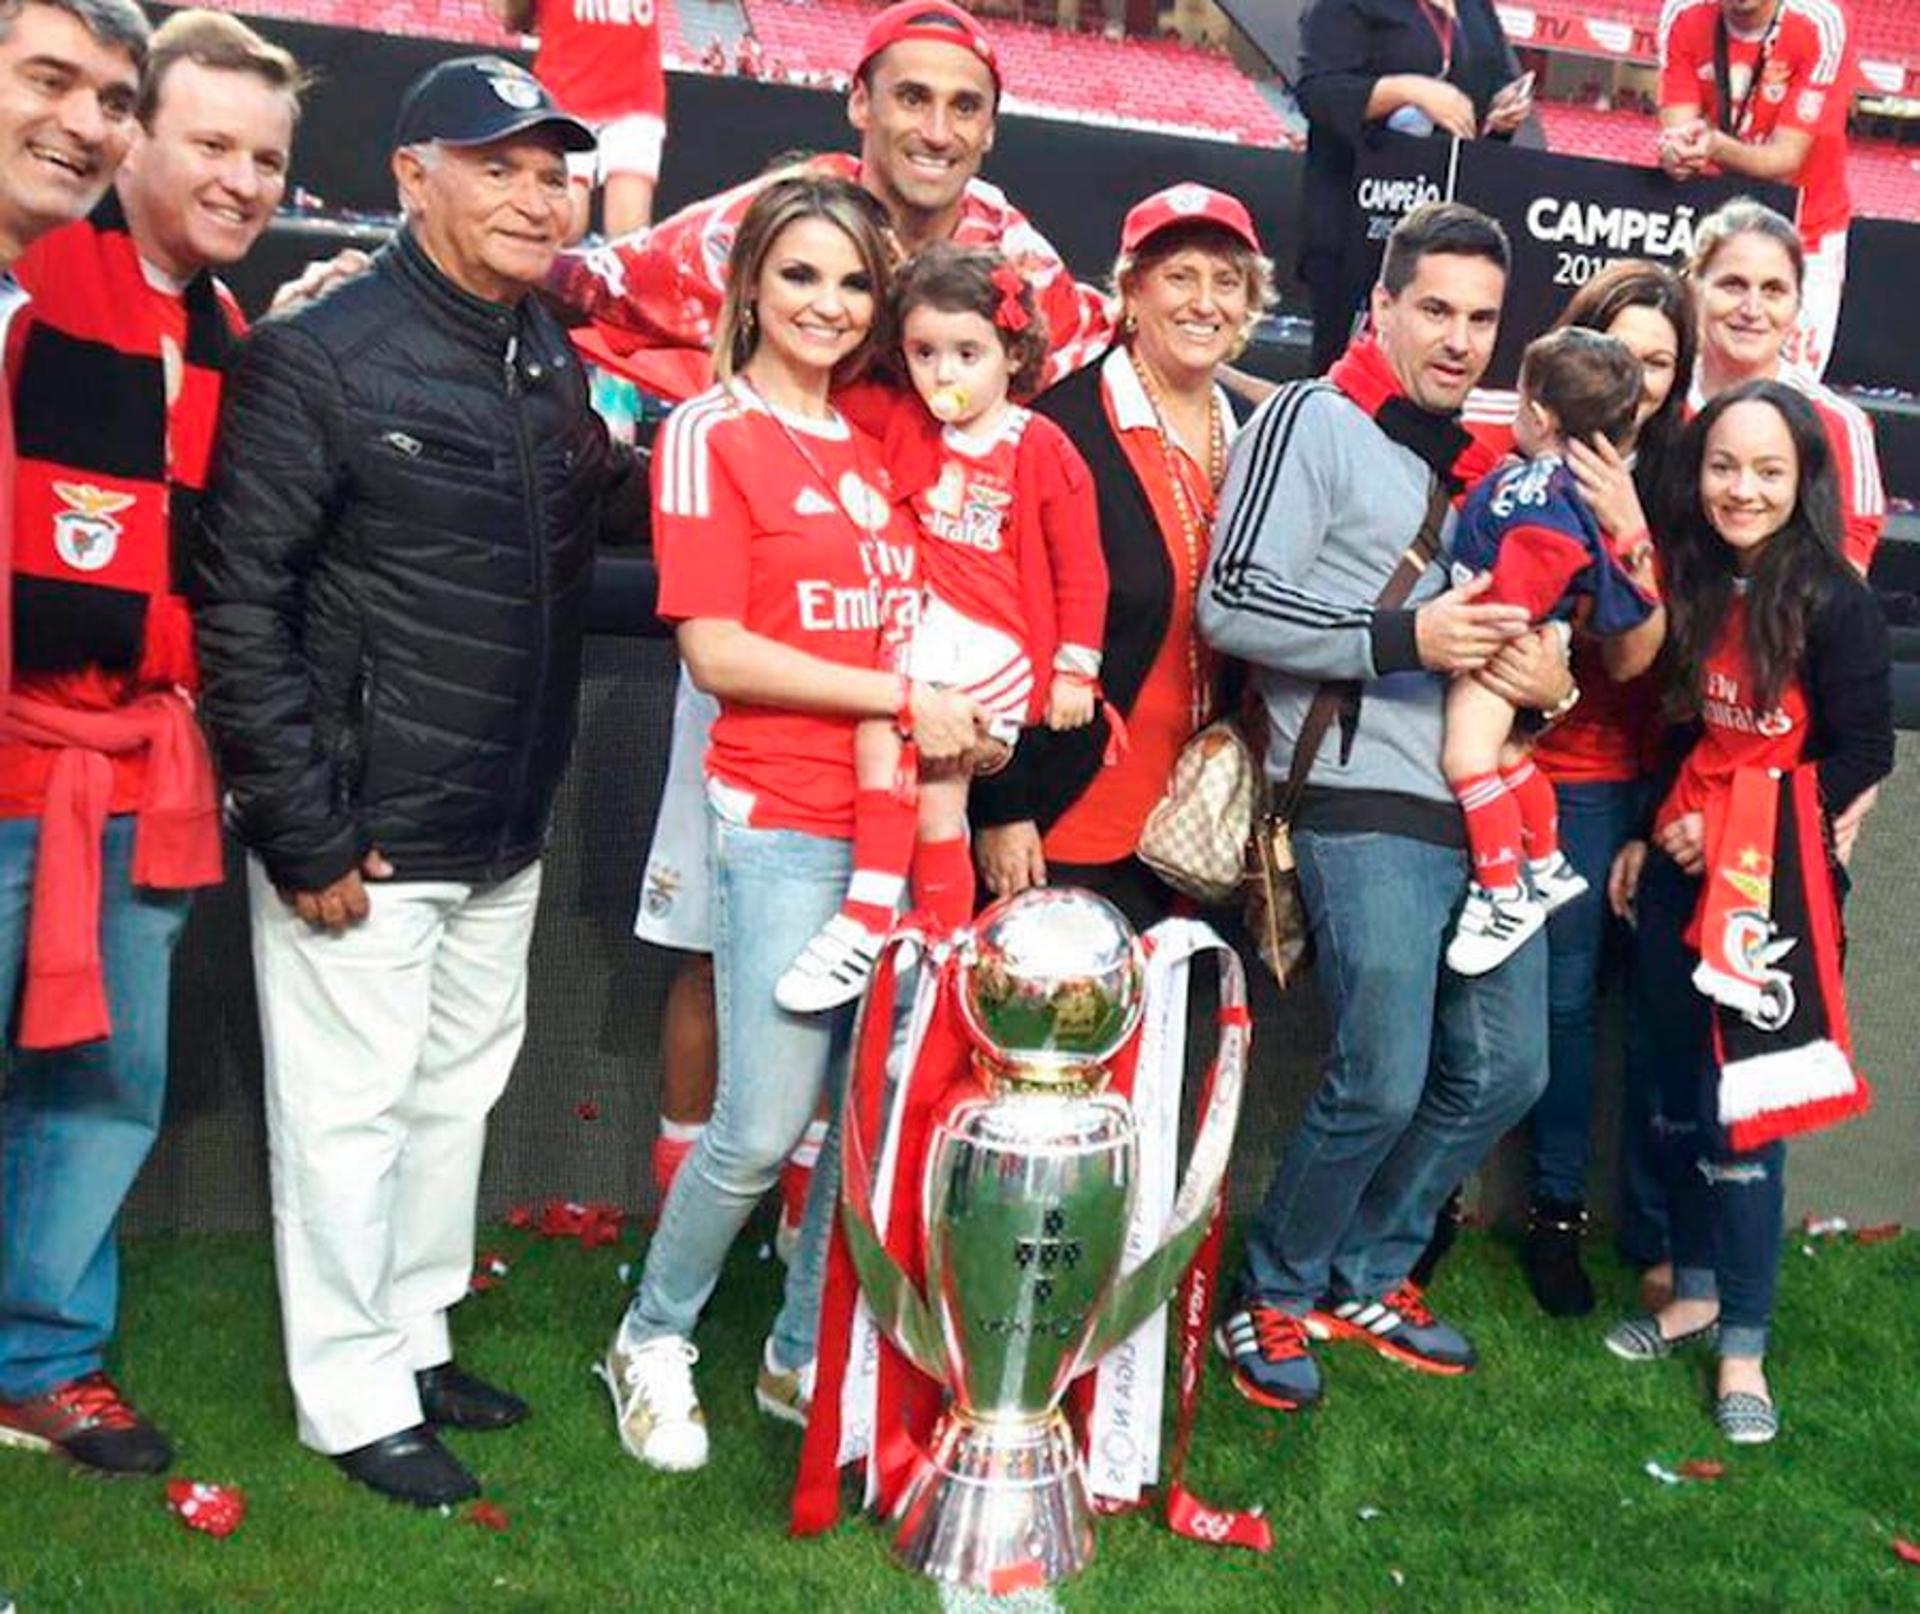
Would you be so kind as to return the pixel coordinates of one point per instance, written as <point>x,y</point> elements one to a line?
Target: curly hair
<point>970,280</point>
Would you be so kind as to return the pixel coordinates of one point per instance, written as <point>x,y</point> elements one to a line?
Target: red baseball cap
<point>939,20</point>
<point>1187,203</point>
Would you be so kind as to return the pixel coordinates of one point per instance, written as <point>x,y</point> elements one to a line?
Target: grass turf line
<point>1518,1487</point>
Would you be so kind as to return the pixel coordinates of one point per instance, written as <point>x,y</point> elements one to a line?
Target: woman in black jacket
<point>1780,652</point>
<point>1369,67</point>
<point>1153,425</point>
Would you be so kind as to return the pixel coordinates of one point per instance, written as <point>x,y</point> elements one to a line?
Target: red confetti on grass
<point>587,1109</point>
<point>489,1516</point>
<point>1906,1552</point>
<point>520,1216</point>
<point>1703,1468</point>
<point>593,1225</point>
<point>214,1510</point>
<point>1878,1235</point>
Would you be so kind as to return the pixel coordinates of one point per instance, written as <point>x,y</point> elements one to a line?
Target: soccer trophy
<point>1027,1194</point>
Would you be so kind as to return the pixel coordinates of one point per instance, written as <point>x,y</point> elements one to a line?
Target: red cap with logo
<point>938,20</point>
<point>1187,204</point>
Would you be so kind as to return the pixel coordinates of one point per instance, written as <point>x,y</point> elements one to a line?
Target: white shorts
<point>1810,345</point>
<point>953,651</point>
<point>676,892</point>
<point>629,145</point>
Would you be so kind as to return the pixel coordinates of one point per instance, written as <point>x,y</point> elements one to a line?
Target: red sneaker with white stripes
<point>1401,1327</point>
<point>90,1421</point>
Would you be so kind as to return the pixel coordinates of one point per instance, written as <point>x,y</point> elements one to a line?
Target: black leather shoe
<point>455,1400</point>
<point>1446,1228</point>
<point>1554,1271</point>
<point>411,1466</point>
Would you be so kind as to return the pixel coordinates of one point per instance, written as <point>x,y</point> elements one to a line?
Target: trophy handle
<point>897,1305</point>
<point>1138,1294</point>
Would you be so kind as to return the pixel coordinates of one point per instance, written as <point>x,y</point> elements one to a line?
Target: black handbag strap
<point>1327,699</point>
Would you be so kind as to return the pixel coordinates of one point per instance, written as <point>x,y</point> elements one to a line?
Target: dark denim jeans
<point>1426,1070</point>
<point>78,1123</point>
<point>1727,1209</point>
<point>1596,820</point>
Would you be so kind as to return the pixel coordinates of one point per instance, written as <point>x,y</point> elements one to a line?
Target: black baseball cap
<point>473,100</point>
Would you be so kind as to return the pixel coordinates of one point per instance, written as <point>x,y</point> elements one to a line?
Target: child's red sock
<point>1539,809</point>
<point>943,880</point>
<point>1493,831</point>
<point>883,832</point>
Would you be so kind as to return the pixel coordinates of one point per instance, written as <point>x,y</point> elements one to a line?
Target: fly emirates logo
<point>1724,709</point>
<point>889,597</point>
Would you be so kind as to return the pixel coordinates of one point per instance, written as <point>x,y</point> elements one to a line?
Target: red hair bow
<point>1012,314</point>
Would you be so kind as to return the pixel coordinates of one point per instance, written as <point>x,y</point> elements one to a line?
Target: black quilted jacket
<point>391,576</point>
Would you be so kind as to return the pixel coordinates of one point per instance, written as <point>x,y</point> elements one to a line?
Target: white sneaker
<point>832,969</point>
<point>654,1406</point>
<point>1492,929</point>
<point>1555,881</point>
<point>784,1393</point>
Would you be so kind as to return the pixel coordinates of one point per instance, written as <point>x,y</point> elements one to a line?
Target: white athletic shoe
<point>784,1393</point>
<point>654,1406</point>
<point>1555,881</point>
<point>1492,929</point>
<point>832,969</point>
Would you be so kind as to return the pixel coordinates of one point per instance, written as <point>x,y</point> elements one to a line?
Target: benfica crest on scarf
<point>1771,949</point>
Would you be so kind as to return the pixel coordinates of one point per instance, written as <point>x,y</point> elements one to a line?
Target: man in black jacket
<point>391,587</point>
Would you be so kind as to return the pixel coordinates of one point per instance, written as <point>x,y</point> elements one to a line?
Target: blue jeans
<point>1727,1209</point>
<point>78,1122</point>
<point>1596,820</point>
<point>772,890</point>
<point>1426,1070</point>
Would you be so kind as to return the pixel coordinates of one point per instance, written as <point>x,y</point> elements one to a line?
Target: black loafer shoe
<point>411,1466</point>
<point>455,1400</point>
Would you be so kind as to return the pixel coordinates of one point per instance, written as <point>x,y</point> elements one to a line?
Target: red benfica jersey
<point>1807,75</point>
<point>1734,732</point>
<point>655,294</point>
<point>600,59</point>
<point>1856,465</point>
<point>788,527</point>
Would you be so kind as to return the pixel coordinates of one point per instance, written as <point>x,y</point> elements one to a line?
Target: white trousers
<point>385,1047</point>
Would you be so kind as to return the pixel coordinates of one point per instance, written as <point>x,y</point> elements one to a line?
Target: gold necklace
<point>1193,522</point>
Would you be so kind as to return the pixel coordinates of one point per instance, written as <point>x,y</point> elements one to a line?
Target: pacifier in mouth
<point>948,403</point>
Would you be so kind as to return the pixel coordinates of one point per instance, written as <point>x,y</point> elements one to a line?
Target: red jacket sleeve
<point>1070,529</point>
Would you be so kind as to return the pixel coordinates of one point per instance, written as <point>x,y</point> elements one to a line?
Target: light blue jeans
<point>78,1122</point>
<point>772,890</point>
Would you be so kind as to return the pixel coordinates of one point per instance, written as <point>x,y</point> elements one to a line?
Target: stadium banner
<point>1567,217</point>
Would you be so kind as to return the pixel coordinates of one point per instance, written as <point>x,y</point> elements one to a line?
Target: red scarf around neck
<point>1448,448</point>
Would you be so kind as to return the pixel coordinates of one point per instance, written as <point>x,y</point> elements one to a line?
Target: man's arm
<point>262,530</point>
<point>1779,157</point>
<point>1282,493</point>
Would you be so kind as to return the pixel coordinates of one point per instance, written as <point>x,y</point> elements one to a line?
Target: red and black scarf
<point>1448,448</point>
<point>109,479</point>
<point>1771,948</point>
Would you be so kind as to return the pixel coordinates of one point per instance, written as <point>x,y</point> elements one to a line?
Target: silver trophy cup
<point>1027,1196</point>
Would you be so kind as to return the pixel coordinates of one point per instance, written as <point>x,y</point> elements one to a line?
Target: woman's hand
<point>1606,483</point>
<point>1623,879</point>
<point>1450,107</point>
<point>1010,858</point>
<point>945,722</point>
<point>1685,841</point>
<point>1846,828</point>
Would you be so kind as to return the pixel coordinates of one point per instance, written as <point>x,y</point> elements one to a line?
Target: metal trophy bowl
<point>1027,1194</point>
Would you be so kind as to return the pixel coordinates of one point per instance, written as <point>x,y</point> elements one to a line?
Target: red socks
<point>943,880</point>
<point>1493,830</point>
<point>883,832</point>
<point>1539,809</point>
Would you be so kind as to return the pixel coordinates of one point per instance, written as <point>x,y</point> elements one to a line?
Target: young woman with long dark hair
<point>1779,655</point>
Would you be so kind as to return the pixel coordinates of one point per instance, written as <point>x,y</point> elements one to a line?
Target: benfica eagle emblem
<point>85,533</point>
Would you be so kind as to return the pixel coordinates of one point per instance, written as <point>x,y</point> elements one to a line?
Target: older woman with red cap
<point>1154,425</point>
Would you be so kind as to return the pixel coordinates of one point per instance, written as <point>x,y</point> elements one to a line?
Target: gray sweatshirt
<point>1318,507</point>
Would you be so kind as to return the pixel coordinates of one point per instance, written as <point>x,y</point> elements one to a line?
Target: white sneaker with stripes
<point>1555,882</point>
<point>1493,927</point>
<point>832,969</point>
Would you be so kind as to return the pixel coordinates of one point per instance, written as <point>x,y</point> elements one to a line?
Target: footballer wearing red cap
<point>938,21</point>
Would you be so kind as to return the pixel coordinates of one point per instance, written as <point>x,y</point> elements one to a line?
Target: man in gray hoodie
<point>1329,485</point>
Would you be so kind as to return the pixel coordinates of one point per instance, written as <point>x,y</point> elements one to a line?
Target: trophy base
<point>1000,1505</point>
